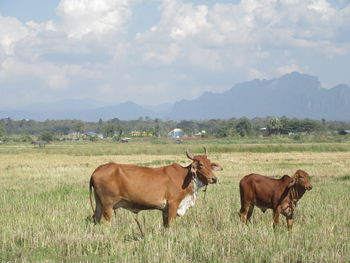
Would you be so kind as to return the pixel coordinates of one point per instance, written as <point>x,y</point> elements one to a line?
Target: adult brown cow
<point>172,189</point>
<point>281,195</point>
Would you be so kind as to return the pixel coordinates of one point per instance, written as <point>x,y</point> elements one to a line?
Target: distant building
<point>176,133</point>
<point>74,136</point>
<point>90,133</point>
<point>141,134</point>
<point>344,132</point>
<point>200,134</point>
<point>125,139</point>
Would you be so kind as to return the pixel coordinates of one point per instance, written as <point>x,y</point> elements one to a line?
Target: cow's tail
<point>91,203</point>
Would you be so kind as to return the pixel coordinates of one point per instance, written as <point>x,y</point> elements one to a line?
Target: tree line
<point>219,128</point>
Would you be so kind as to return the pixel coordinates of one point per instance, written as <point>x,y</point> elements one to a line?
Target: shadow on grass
<point>344,178</point>
<point>133,237</point>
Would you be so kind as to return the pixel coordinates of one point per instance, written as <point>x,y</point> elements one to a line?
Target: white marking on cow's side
<point>186,203</point>
<point>190,199</point>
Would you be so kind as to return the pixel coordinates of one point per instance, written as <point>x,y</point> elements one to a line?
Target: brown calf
<point>281,195</point>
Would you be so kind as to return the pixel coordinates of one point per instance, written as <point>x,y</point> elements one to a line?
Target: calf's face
<point>302,179</point>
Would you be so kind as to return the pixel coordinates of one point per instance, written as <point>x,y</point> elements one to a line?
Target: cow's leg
<point>107,210</point>
<point>107,214</point>
<point>165,217</point>
<point>276,216</point>
<point>139,225</point>
<point>170,213</point>
<point>104,209</point>
<point>103,212</point>
<point>116,206</point>
<point>98,210</point>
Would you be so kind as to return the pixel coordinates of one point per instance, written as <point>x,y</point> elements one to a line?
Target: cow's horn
<point>205,151</point>
<point>189,156</point>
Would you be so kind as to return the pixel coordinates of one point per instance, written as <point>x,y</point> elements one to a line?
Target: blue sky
<point>26,10</point>
<point>152,51</point>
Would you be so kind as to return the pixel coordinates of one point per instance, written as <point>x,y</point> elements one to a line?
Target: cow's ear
<point>216,167</point>
<point>292,183</point>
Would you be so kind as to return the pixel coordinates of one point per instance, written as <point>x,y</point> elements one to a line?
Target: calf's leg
<point>289,222</point>
<point>245,208</point>
<point>276,216</point>
<point>250,211</point>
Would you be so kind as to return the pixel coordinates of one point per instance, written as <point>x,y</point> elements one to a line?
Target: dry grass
<point>44,205</point>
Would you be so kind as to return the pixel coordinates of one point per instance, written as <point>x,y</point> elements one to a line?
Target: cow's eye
<point>200,165</point>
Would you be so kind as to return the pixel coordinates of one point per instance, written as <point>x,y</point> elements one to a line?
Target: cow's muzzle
<point>213,180</point>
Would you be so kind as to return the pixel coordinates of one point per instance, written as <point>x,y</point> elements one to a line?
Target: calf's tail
<point>241,194</point>
<point>91,203</point>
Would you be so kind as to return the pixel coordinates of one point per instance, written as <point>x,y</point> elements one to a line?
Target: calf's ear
<point>216,167</point>
<point>292,182</point>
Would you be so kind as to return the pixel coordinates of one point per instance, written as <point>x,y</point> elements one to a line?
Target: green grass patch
<point>151,148</point>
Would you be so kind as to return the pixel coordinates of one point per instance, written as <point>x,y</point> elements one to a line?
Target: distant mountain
<point>124,111</point>
<point>160,108</point>
<point>62,109</point>
<point>86,110</point>
<point>292,95</point>
<point>65,105</point>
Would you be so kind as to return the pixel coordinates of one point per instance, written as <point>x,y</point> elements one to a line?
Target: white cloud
<point>97,17</point>
<point>285,69</point>
<point>50,76</point>
<point>11,31</point>
<point>250,27</point>
<point>166,57</point>
<point>188,21</point>
<point>88,49</point>
<point>322,7</point>
<point>256,74</point>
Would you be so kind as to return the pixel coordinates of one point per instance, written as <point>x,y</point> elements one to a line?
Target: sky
<point>162,51</point>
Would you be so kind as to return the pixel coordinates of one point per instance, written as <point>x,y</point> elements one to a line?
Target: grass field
<point>44,206</point>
